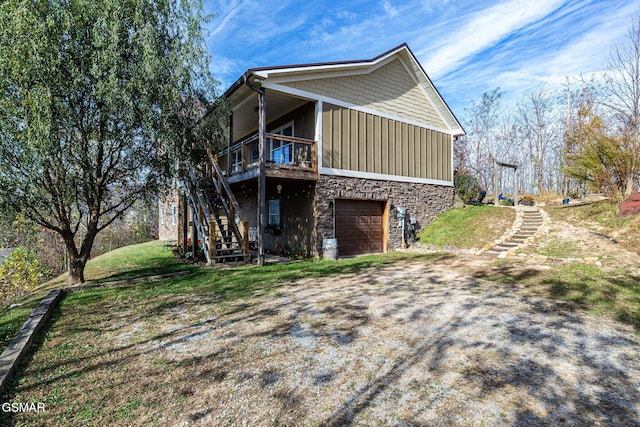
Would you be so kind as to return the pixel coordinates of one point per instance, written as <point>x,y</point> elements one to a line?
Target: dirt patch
<point>568,241</point>
<point>410,344</point>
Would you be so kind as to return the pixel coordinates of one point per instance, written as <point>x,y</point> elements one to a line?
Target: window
<point>174,215</point>
<point>161,215</point>
<point>274,214</point>
<point>237,161</point>
<point>281,152</point>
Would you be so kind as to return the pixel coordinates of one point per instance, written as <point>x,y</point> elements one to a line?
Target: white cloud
<point>485,29</point>
<point>391,11</point>
<point>229,14</point>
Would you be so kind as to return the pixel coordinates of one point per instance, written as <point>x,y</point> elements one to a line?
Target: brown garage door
<point>359,226</point>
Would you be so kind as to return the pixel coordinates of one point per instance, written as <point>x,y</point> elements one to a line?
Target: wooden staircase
<point>213,208</point>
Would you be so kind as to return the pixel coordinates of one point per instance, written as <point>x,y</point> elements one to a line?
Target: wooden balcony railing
<point>281,152</point>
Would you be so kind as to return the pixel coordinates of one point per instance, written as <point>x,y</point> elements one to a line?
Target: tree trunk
<point>76,270</point>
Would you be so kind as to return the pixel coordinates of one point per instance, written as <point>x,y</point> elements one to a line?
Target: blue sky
<point>466,47</point>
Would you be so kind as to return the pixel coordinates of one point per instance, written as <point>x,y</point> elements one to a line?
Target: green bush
<point>20,272</point>
<point>467,187</point>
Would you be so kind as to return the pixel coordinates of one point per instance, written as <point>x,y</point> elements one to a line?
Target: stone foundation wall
<point>423,202</point>
<point>167,220</point>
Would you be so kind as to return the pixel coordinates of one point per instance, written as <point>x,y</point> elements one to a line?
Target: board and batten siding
<point>363,142</point>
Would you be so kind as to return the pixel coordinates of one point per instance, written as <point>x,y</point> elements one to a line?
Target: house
<point>358,151</point>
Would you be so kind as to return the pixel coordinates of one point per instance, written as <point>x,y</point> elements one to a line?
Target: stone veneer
<point>167,224</point>
<point>423,202</point>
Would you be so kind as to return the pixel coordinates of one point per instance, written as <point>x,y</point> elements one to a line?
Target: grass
<point>12,319</point>
<point>145,259</point>
<point>468,227</point>
<point>610,293</point>
<point>560,249</point>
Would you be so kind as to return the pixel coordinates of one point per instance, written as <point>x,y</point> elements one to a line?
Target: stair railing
<point>194,195</point>
<point>228,199</point>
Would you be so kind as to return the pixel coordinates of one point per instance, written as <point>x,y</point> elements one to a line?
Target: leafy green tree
<point>98,100</point>
<point>622,90</point>
<point>605,160</point>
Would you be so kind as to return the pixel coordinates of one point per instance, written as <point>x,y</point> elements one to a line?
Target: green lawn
<point>468,227</point>
<point>145,259</point>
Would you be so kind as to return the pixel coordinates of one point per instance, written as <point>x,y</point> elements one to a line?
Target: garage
<point>359,226</point>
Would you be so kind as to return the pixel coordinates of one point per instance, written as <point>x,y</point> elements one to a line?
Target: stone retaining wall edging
<point>23,340</point>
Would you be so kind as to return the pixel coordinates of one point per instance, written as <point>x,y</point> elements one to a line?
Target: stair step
<point>490,253</point>
<point>230,258</point>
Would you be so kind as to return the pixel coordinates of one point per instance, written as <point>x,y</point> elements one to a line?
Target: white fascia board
<point>382,176</point>
<point>320,71</point>
<point>302,74</point>
<point>315,96</point>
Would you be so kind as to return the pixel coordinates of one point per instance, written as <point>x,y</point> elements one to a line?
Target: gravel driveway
<point>411,344</point>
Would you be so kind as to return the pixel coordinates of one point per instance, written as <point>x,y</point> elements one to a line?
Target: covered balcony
<point>285,157</point>
<point>286,124</point>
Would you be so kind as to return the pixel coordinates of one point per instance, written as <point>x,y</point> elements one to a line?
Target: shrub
<point>527,200</point>
<point>20,272</point>
<point>299,253</point>
<point>468,188</point>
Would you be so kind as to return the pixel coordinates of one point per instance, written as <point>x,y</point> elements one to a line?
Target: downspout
<point>262,193</point>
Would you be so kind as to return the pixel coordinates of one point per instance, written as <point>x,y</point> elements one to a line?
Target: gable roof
<point>297,72</point>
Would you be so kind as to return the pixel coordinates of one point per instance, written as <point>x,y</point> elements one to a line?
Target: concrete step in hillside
<point>528,230</point>
<point>532,220</point>
<point>491,253</point>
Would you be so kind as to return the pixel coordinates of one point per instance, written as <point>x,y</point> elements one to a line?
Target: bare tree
<point>539,128</point>
<point>482,120</point>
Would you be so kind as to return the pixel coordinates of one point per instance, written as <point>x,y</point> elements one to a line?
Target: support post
<point>245,237</point>
<point>515,187</point>
<point>229,143</point>
<point>185,223</point>
<point>262,181</point>
<point>212,238</point>
<point>495,180</point>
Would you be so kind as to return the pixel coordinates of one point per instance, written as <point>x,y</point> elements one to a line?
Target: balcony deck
<point>287,157</point>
